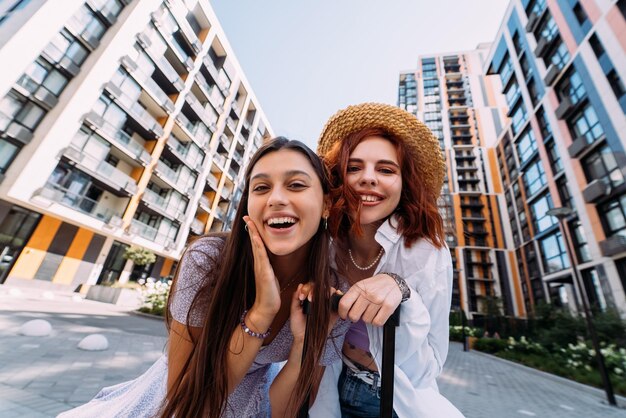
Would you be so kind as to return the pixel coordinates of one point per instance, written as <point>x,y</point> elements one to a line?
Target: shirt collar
<point>387,234</point>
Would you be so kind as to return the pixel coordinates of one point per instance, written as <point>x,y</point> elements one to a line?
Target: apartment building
<point>562,66</point>
<point>463,108</point>
<point>122,123</point>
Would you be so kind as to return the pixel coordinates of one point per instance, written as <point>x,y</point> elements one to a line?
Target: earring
<point>325,222</point>
<point>245,226</point>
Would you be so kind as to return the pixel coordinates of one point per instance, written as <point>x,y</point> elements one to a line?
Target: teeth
<point>369,198</point>
<point>284,220</point>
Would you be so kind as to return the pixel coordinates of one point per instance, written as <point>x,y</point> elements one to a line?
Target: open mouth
<point>282,222</point>
<point>370,198</point>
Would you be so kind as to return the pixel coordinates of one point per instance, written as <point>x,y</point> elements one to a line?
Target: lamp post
<point>561,214</point>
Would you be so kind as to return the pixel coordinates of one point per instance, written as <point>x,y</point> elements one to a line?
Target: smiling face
<point>374,173</point>
<point>285,200</point>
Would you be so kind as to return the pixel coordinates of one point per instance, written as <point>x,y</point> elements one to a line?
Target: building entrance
<point>16,227</point>
<point>113,265</point>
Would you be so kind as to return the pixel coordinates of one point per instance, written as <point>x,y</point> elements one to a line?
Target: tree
<point>140,256</point>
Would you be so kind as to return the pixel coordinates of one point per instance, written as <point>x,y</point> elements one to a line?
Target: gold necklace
<point>380,253</point>
<point>288,284</point>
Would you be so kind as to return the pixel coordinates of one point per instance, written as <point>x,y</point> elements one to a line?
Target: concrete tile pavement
<point>42,376</point>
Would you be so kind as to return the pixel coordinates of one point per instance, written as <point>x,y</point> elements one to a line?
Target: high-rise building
<point>560,68</point>
<point>460,104</point>
<point>121,123</point>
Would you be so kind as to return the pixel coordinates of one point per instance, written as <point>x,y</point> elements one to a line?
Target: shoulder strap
<point>387,373</point>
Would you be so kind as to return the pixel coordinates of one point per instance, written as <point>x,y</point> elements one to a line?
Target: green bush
<point>490,345</point>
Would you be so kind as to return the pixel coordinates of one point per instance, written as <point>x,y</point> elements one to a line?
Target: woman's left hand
<point>297,318</point>
<point>373,300</point>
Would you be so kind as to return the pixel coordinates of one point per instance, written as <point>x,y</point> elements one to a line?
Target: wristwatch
<point>404,288</point>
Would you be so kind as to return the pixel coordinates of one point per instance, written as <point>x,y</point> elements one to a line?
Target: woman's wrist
<point>258,321</point>
<point>405,290</point>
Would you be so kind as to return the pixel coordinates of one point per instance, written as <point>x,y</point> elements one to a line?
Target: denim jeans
<point>357,398</point>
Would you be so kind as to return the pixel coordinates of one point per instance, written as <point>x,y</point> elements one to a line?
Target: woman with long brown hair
<point>235,309</point>
<point>387,172</point>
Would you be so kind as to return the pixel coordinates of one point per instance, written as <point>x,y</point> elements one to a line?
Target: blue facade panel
<point>515,25</point>
<point>498,56</point>
<point>567,8</point>
<point>596,102</point>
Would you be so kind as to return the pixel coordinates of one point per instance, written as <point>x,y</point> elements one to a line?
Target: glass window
<point>581,15</point>
<point>548,29</point>
<point>613,214</point>
<point>65,45</point>
<point>564,194</point>
<point>518,118</point>
<point>601,165</point>
<point>534,178</point>
<point>580,242</point>
<point>572,86</point>
<point>41,73</point>
<point>616,84</point>
<point>526,145</point>
<point>585,123</point>
<point>553,156</point>
<point>538,208</point>
<point>525,65</point>
<point>558,56</point>
<point>511,93</point>
<point>544,125</point>
<point>533,91</point>
<point>554,255</point>
<point>506,68</point>
<point>8,151</point>
<point>17,109</point>
<point>86,24</point>
<point>113,7</point>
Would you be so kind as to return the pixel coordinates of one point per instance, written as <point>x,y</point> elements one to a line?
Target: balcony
<point>204,204</point>
<point>155,92</point>
<point>118,138</point>
<point>212,181</point>
<point>238,158</point>
<point>543,45</point>
<point>552,74</point>
<point>197,227</point>
<point>90,38</point>
<point>166,31</point>
<point>163,65</point>
<point>197,132</point>
<point>16,131</point>
<point>29,88</point>
<point>206,114</point>
<point>185,28</point>
<point>577,147</point>
<point>163,207</point>
<point>220,214</point>
<point>148,232</point>
<point>55,193</point>
<point>596,190</point>
<point>613,245</point>
<point>170,176</point>
<point>55,55</point>
<point>117,181</point>
<point>533,21</point>
<point>565,108</point>
<point>220,161</point>
<point>211,92</point>
<point>480,279</point>
<point>151,127</point>
<point>231,124</point>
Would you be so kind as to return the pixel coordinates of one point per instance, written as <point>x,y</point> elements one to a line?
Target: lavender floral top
<point>251,397</point>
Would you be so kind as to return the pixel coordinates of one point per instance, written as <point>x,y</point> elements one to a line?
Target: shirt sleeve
<point>197,267</point>
<point>422,337</point>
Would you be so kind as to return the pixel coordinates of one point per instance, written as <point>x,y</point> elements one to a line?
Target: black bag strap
<point>387,372</point>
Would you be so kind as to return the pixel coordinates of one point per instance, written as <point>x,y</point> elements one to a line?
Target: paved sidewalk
<point>42,376</point>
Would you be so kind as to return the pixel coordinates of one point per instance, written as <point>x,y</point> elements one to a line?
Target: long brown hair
<point>417,210</point>
<point>201,389</point>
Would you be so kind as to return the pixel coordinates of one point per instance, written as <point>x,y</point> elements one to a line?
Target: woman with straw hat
<point>387,171</point>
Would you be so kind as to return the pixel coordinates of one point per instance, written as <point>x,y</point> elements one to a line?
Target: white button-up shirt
<point>421,338</point>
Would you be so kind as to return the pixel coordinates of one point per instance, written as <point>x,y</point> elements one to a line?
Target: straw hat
<point>419,140</point>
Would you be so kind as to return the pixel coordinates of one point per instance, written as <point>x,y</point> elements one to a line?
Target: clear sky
<point>306,59</point>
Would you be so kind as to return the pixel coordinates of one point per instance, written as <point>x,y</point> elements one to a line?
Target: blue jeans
<point>357,398</point>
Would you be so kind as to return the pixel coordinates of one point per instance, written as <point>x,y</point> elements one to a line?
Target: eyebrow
<point>358,160</point>
<point>289,173</point>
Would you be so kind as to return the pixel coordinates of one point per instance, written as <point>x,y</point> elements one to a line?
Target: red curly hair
<point>417,210</point>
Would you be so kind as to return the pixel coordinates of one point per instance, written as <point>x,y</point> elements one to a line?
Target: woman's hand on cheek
<point>373,300</point>
<point>267,301</point>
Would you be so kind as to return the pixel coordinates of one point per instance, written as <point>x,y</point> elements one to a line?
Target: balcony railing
<point>102,170</point>
<point>79,202</point>
<point>162,205</point>
<point>162,63</point>
<point>117,137</point>
<point>148,232</point>
<point>171,176</point>
<point>198,132</point>
<point>148,84</point>
<point>135,110</point>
